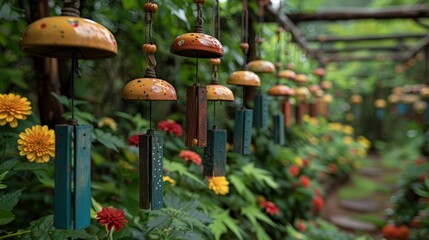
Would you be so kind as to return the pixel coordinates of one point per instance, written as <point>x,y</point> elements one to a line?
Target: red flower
<point>318,203</point>
<point>420,161</point>
<point>318,192</point>
<point>270,207</point>
<point>301,226</point>
<point>294,170</point>
<point>134,140</point>
<point>189,155</point>
<point>389,231</point>
<point>305,181</point>
<point>402,232</point>
<point>332,168</point>
<point>171,127</point>
<point>112,217</point>
<point>305,162</point>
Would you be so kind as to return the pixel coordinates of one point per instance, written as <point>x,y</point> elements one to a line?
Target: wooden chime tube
<point>151,170</point>
<point>300,110</point>
<point>196,116</point>
<point>279,129</point>
<point>80,168</point>
<point>215,153</point>
<point>260,116</point>
<point>287,112</point>
<point>243,131</point>
<point>312,109</point>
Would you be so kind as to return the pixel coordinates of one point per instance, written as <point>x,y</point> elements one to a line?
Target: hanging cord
<point>216,34</point>
<point>244,45</point>
<point>74,70</point>
<point>149,47</point>
<point>70,8</point>
<point>278,52</point>
<point>199,19</point>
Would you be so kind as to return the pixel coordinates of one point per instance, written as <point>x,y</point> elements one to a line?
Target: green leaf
<point>108,140</point>
<point>253,213</point>
<point>222,221</point>
<point>181,170</point>
<point>31,166</point>
<point>260,175</point>
<point>6,216</point>
<point>129,4</point>
<point>241,187</point>
<point>9,200</point>
<point>45,179</point>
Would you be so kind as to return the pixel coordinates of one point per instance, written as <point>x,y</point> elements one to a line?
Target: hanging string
<point>244,33</point>
<point>216,19</point>
<point>214,114</point>
<point>150,115</point>
<point>149,47</point>
<point>70,8</point>
<point>74,70</point>
<point>199,19</point>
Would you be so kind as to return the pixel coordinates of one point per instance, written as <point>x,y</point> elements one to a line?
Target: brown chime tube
<point>312,109</point>
<point>287,112</point>
<point>196,116</point>
<point>300,110</point>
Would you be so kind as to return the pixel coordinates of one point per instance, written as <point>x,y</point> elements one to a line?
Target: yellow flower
<point>298,161</point>
<point>169,180</point>
<point>219,185</point>
<point>107,121</point>
<point>350,117</point>
<point>348,140</point>
<point>348,130</point>
<point>37,143</point>
<point>335,126</point>
<point>364,142</point>
<point>12,108</point>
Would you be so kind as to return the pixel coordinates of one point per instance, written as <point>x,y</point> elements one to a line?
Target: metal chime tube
<point>215,153</point>
<point>243,130</point>
<point>279,129</point>
<point>151,170</point>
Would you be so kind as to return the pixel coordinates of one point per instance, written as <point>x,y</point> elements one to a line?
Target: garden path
<point>359,205</point>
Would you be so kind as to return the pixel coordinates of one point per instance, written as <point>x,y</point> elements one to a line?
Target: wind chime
<point>215,152</point>
<point>289,75</point>
<point>243,116</point>
<point>150,88</point>
<point>70,37</point>
<point>301,95</point>
<point>197,45</point>
<point>316,92</point>
<point>326,99</point>
<point>279,90</point>
<point>260,116</point>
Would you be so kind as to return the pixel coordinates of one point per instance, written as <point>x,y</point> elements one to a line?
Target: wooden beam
<point>400,12</point>
<point>362,48</point>
<point>350,58</point>
<point>399,36</point>
<point>423,43</point>
<point>288,25</point>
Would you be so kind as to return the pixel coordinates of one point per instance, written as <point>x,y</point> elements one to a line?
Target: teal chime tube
<point>243,131</point>
<point>215,153</point>
<point>70,172</point>
<point>151,170</point>
<point>260,116</point>
<point>279,129</point>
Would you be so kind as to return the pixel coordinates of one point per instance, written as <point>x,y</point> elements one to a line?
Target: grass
<point>375,218</point>
<point>360,188</point>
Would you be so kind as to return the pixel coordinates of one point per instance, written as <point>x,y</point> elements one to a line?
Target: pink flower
<point>270,207</point>
<point>294,170</point>
<point>134,140</point>
<point>171,127</point>
<point>305,181</point>
<point>189,155</point>
<point>112,217</point>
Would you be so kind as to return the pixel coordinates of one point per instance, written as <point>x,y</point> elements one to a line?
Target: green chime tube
<point>151,170</point>
<point>215,153</point>
<point>70,172</point>
<point>243,131</point>
<point>279,129</point>
<point>260,116</point>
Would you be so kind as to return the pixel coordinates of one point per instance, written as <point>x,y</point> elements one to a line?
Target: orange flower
<point>37,143</point>
<point>13,108</point>
<point>112,217</point>
<point>305,181</point>
<point>301,226</point>
<point>189,155</point>
<point>389,231</point>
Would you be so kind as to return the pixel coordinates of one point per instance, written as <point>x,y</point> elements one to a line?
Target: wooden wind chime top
<point>197,44</point>
<point>149,88</point>
<point>68,35</point>
<point>215,91</point>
